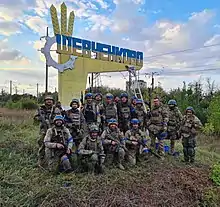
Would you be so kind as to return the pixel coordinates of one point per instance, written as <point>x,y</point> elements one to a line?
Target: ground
<point>152,183</point>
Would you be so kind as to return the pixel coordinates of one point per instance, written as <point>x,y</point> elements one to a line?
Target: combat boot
<point>121,167</point>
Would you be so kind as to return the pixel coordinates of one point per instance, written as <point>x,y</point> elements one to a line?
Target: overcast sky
<point>156,27</point>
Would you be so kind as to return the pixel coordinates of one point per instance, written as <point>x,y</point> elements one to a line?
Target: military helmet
<point>134,98</point>
<point>124,95</point>
<point>58,117</point>
<point>74,101</point>
<point>112,121</point>
<point>172,102</point>
<point>135,121</point>
<point>190,108</point>
<point>139,101</point>
<point>48,98</point>
<point>98,94</point>
<point>109,96</point>
<point>94,128</point>
<point>88,95</point>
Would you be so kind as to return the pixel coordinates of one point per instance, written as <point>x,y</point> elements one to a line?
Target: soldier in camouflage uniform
<point>91,111</point>
<point>45,114</point>
<point>113,142</point>
<point>140,114</point>
<point>135,141</point>
<point>124,113</point>
<point>110,109</point>
<point>91,151</point>
<point>175,118</point>
<point>75,121</point>
<point>188,131</point>
<point>99,102</point>
<point>58,145</point>
<point>157,125</point>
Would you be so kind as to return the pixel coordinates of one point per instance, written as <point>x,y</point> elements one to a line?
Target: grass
<point>153,182</point>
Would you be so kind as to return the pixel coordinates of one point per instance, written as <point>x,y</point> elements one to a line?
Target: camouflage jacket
<point>108,136</point>
<point>59,135</point>
<point>135,135</point>
<point>175,118</point>
<point>190,126</point>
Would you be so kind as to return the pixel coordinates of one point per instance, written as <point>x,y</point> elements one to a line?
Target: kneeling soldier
<point>91,151</point>
<point>58,142</point>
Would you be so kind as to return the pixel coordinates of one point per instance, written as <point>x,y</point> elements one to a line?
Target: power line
<point>181,51</point>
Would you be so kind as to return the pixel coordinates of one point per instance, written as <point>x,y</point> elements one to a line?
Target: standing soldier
<point>58,105</point>
<point>110,109</point>
<point>91,151</point>
<point>113,142</point>
<point>75,121</point>
<point>91,111</point>
<point>175,118</point>
<point>158,125</point>
<point>135,141</point>
<point>99,102</point>
<point>58,142</point>
<point>124,113</point>
<point>140,114</point>
<point>188,131</point>
<point>45,114</point>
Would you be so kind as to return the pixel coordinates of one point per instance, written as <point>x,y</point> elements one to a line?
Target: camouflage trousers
<point>189,144</point>
<point>131,156</point>
<point>172,136</point>
<point>91,163</point>
<point>56,161</point>
<point>153,137</point>
<point>41,150</point>
<point>114,154</point>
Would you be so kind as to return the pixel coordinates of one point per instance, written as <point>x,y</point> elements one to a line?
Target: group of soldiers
<point>108,129</point>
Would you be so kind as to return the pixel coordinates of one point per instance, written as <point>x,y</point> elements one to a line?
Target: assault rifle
<point>118,142</point>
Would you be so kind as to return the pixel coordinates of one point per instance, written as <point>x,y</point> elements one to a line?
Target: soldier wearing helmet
<point>113,142</point>
<point>110,109</point>
<point>45,114</point>
<point>157,125</point>
<point>91,111</point>
<point>189,128</point>
<point>124,112</point>
<point>91,152</point>
<point>75,121</point>
<point>99,102</point>
<point>140,114</point>
<point>135,141</point>
<point>173,125</point>
<point>58,146</point>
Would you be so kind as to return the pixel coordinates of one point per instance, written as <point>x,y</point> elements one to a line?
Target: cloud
<point>8,28</point>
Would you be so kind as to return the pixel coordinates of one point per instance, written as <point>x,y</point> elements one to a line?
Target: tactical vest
<point>140,115</point>
<point>90,113</point>
<point>110,111</point>
<point>48,113</point>
<point>58,136</point>
<point>135,132</point>
<point>187,125</point>
<point>74,117</point>
<point>156,116</point>
<point>125,112</point>
<point>173,118</point>
<point>91,145</point>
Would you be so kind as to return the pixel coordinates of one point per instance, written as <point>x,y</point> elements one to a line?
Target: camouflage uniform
<point>158,126</point>
<point>91,111</point>
<point>99,103</point>
<point>175,118</point>
<point>135,141</point>
<point>113,142</point>
<point>91,151</point>
<point>45,114</point>
<point>110,109</point>
<point>124,113</point>
<point>55,156</point>
<point>75,122</point>
<point>188,131</point>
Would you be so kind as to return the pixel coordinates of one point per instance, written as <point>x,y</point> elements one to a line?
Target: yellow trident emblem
<point>72,82</point>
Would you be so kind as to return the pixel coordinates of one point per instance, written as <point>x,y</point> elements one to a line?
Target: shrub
<point>215,176</point>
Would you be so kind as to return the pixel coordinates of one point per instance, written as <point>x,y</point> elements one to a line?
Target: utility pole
<point>10,88</point>
<point>92,82</point>
<point>37,91</point>
<point>46,84</point>
<point>129,82</point>
<point>16,90</point>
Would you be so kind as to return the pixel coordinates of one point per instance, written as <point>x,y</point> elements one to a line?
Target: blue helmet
<point>139,101</point>
<point>58,117</point>
<point>124,95</point>
<point>134,98</point>
<point>190,108</point>
<point>135,121</point>
<point>109,96</point>
<point>172,102</point>
<point>112,121</point>
<point>88,95</point>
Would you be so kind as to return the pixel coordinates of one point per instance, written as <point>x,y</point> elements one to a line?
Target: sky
<point>180,39</point>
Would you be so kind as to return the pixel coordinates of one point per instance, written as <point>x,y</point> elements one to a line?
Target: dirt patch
<point>163,186</point>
